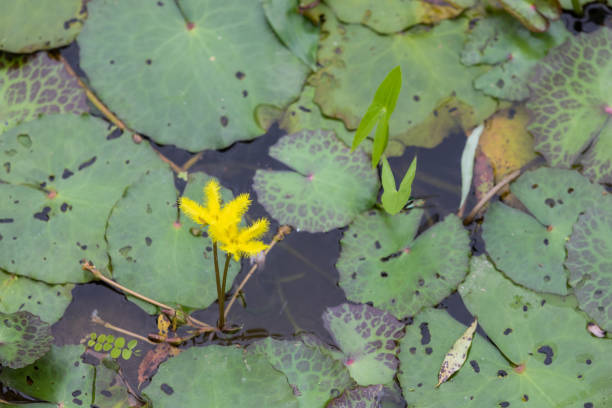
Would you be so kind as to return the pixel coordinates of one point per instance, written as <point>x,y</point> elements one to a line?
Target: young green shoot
<point>394,200</point>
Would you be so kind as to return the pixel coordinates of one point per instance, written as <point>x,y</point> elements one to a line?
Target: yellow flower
<point>223,221</point>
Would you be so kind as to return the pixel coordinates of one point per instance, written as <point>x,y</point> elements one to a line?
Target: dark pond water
<point>299,279</point>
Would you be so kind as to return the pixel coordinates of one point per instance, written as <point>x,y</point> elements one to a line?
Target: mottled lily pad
<point>437,93</point>
<point>502,41</point>
<point>32,85</point>
<point>554,197</point>
<point>192,81</point>
<point>382,262</point>
<point>558,362</point>
<point>24,338</point>
<point>30,25</point>
<point>368,338</point>
<point>360,397</point>
<point>588,260</point>
<point>220,377</point>
<point>329,187</point>
<point>391,16</point>
<point>64,174</point>
<point>311,369</point>
<point>156,257</point>
<point>571,105</point>
<point>19,293</point>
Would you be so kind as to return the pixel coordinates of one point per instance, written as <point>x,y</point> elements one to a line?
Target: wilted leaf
<point>32,85</point>
<point>30,25</point>
<point>192,83</point>
<point>24,339</point>
<point>571,105</point>
<point>534,15</point>
<point>382,262</point>
<point>467,162</point>
<point>368,338</point>
<point>329,187</point>
<point>152,359</point>
<point>454,359</point>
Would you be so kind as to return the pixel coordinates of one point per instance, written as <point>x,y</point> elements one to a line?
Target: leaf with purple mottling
<point>24,338</point>
<point>360,397</point>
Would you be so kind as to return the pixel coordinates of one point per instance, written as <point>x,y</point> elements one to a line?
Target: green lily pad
<point>360,397</point>
<point>571,105</point>
<point>19,293</point>
<point>32,85</point>
<point>192,83</point>
<point>295,31</point>
<point>110,387</point>
<point>30,25</point>
<point>220,377</point>
<point>368,338</point>
<point>329,187</point>
<point>437,93</point>
<point>24,339</point>
<point>559,363</point>
<point>391,16</point>
<point>588,260</point>
<point>554,197</point>
<point>382,262</point>
<point>64,174</point>
<point>315,375</point>
<point>500,40</point>
<point>534,15</point>
<point>156,257</point>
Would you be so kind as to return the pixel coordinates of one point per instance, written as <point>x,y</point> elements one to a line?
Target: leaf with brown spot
<point>152,360</point>
<point>456,356</point>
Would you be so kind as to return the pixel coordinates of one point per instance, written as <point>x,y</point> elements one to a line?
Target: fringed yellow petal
<point>255,231</point>
<point>193,210</point>
<point>235,209</point>
<point>253,247</point>
<point>212,197</point>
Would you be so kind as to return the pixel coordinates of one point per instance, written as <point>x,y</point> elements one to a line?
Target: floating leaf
<point>315,375</point>
<point>25,338</point>
<point>392,199</point>
<point>64,174</point>
<point>360,397</point>
<point>111,389</point>
<point>534,15</point>
<point>156,257</point>
<point>571,104</point>
<point>506,142</point>
<point>588,260</point>
<point>555,198</point>
<point>212,67</point>
<point>32,85</point>
<point>30,25</point>
<point>297,33</point>
<point>18,293</point>
<point>391,16</point>
<point>436,96</point>
<point>454,359</point>
<point>500,40</point>
<point>368,338</point>
<point>382,262</point>
<point>467,162</point>
<point>558,362</point>
<point>329,187</point>
<point>241,379</point>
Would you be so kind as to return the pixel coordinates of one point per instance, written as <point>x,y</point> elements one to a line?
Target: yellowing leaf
<point>163,324</point>
<point>456,356</point>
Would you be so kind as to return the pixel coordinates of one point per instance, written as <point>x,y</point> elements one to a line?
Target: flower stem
<point>220,299</point>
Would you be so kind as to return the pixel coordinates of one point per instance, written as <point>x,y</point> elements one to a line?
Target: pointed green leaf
<point>393,201</point>
<point>381,137</point>
<point>387,93</point>
<point>406,184</point>
<point>367,123</point>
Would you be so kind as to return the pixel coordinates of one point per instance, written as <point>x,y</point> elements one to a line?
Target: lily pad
<point>195,75</point>
<point>155,256</point>
<point>391,16</point>
<point>588,260</point>
<point>24,339</point>
<point>32,85</point>
<point>500,40</point>
<point>360,397</point>
<point>329,187</point>
<point>437,94</point>
<point>64,174</point>
<point>315,375</point>
<point>382,262</point>
<point>554,197</point>
<point>222,377</point>
<point>535,15</point>
<point>368,338</point>
<point>571,105</point>
<point>295,31</point>
<point>18,293</point>
<point>30,25</point>
<point>557,362</point>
